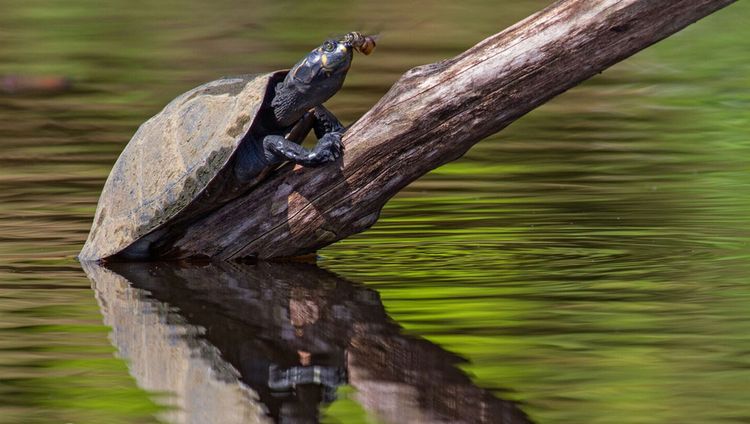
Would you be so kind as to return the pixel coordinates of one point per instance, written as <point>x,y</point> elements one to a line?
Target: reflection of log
<point>291,333</point>
<point>431,116</point>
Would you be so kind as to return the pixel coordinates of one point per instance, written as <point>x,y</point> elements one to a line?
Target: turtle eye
<point>329,46</point>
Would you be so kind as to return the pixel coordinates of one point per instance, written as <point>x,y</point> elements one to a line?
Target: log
<point>433,115</point>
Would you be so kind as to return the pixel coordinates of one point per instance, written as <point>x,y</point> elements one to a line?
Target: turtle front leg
<point>325,122</point>
<point>278,149</point>
<point>327,129</point>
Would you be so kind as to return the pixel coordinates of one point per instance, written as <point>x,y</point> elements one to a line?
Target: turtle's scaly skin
<point>172,158</point>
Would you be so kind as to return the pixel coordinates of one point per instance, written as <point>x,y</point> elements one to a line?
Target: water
<point>589,264</point>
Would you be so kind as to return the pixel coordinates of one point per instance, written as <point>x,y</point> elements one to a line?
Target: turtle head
<point>321,73</point>
<point>313,80</point>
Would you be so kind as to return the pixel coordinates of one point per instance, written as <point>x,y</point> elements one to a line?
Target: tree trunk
<point>431,116</point>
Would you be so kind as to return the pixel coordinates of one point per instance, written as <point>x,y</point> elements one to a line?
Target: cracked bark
<point>432,116</point>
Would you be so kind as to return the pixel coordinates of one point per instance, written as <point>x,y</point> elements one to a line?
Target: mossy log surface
<point>432,116</point>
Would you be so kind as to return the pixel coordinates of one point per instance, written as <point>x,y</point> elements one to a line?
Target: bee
<point>364,44</point>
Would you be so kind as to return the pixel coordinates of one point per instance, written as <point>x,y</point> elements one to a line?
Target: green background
<point>590,261</point>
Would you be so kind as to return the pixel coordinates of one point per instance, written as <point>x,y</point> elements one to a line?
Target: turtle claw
<point>329,148</point>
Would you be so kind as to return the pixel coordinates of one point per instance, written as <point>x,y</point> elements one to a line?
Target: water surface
<point>589,264</point>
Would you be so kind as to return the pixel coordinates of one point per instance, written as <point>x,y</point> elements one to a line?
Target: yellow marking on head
<point>324,59</point>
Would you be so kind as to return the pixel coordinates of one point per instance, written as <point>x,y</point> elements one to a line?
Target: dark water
<point>589,264</point>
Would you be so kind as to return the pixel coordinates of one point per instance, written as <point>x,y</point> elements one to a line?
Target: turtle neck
<point>287,105</point>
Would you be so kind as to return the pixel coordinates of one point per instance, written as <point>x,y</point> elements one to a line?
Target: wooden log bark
<point>431,116</point>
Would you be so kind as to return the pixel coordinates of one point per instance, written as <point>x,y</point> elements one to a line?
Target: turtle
<point>215,143</point>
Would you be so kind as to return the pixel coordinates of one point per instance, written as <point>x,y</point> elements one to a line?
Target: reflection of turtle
<point>213,144</point>
<point>237,317</point>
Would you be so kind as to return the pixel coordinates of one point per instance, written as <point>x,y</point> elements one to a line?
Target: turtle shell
<point>172,159</point>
